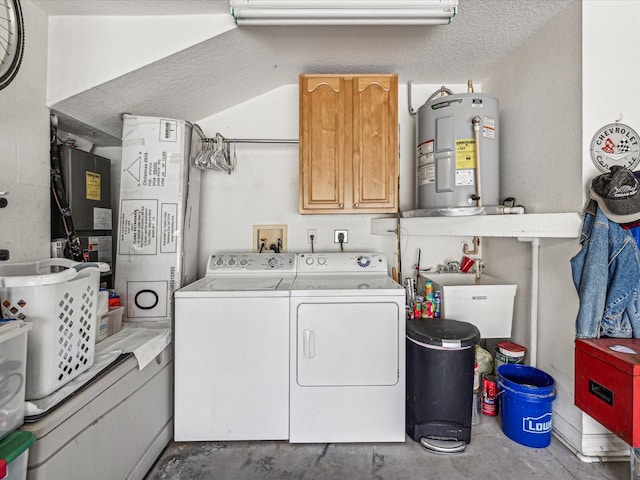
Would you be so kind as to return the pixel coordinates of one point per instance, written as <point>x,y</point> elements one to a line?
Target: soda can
<point>417,309</point>
<point>489,395</point>
<point>436,309</point>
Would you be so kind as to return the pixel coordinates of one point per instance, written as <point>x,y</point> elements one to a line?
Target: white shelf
<point>540,225</point>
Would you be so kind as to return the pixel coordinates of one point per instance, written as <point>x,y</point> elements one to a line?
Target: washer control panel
<point>342,262</point>
<point>239,263</point>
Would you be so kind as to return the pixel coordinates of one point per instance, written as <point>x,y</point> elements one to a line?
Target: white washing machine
<point>347,381</point>
<point>232,350</point>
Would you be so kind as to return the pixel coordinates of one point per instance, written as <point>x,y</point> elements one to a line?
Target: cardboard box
<point>158,216</point>
<point>607,384</point>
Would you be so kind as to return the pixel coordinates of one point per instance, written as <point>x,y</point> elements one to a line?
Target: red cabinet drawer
<point>607,384</point>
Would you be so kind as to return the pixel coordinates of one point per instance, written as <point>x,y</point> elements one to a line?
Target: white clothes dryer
<point>347,381</point>
<point>232,350</point>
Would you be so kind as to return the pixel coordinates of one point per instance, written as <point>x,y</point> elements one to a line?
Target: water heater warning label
<point>489,127</point>
<point>426,174</point>
<point>465,178</point>
<point>465,153</point>
<point>426,171</point>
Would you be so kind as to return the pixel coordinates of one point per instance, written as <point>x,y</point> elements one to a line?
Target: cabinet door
<point>375,143</point>
<point>324,140</point>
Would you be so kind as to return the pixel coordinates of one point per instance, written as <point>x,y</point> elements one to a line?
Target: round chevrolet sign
<point>615,144</point>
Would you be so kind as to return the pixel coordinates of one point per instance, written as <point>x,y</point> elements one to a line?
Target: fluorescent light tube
<point>343,12</point>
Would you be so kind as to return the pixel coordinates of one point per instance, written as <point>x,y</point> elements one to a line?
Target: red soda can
<point>489,395</point>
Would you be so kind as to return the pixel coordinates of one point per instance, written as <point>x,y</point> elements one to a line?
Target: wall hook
<point>467,251</point>
<point>619,118</point>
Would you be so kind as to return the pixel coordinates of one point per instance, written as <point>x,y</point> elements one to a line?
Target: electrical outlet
<point>269,238</point>
<point>336,233</point>
<point>315,236</point>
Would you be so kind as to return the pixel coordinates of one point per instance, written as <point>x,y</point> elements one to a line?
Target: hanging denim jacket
<point>606,274</point>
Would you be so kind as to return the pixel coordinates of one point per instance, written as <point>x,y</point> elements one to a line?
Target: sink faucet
<point>450,267</point>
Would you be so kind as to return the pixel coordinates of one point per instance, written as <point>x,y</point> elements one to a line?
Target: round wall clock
<point>11,40</point>
<point>615,144</point>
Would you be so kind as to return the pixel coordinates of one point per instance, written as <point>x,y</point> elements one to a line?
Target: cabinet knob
<point>356,205</point>
<point>341,205</point>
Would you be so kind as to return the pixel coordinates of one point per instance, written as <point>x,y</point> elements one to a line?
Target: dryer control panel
<point>342,262</point>
<point>251,263</point>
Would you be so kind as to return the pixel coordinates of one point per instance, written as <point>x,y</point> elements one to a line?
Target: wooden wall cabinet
<point>348,143</point>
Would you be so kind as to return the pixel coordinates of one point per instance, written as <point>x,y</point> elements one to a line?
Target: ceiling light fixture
<point>343,12</point>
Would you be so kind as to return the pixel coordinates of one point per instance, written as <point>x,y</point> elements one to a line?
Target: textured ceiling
<point>248,61</point>
<point>132,7</point>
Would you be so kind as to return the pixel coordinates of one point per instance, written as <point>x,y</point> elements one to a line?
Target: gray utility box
<point>87,184</point>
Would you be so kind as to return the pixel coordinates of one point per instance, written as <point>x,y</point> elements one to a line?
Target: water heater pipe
<point>476,135</point>
<point>533,320</point>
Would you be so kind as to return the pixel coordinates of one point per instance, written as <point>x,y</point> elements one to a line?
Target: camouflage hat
<point>618,194</point>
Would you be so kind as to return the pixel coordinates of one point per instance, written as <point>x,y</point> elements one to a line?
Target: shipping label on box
<point>159,195</point>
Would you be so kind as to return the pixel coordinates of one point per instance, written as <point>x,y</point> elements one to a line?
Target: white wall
<point>539,89</point>
<point>541,163</point>
<point>24,148</point>
<point>85,51</point>
<point>610,80</point>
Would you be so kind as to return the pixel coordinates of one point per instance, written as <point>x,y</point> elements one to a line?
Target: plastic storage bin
<point>61,307</point>
<point>440,363</point>
<point>13,364</point>
<point>14,453</point>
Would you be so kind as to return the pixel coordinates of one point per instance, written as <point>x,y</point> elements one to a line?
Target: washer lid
<point>242,284</point>
<point>442,332</point>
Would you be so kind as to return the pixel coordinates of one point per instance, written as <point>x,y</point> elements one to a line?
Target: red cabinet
<point>607,384</point>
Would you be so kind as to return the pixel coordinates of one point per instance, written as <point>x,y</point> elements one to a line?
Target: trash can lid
<point>443,332</point>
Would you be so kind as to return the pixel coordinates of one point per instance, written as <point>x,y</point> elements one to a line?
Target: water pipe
<point>476,135</point>
<point>471,251</point>
<point>533,316</point>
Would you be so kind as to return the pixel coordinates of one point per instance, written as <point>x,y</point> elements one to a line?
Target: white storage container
<point>14,455</point>
<point>486,303</point>
<point>61,307</point>
<point>109,323</point>
<point>13,364</point>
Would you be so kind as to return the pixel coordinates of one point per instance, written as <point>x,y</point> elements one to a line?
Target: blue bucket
<point>526,396</point>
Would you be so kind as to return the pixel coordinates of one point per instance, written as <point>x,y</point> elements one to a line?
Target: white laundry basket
<point>61,306</point>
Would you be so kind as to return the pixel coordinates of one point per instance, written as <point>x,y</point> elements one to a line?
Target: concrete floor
<point>490,455</point>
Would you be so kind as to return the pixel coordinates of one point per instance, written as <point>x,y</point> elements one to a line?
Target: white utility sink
<point>487,302</point>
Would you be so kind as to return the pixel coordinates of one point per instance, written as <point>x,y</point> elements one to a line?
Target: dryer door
<point>347,344</point>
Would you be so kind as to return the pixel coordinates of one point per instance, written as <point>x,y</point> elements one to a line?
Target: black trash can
<point>440,362</point>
